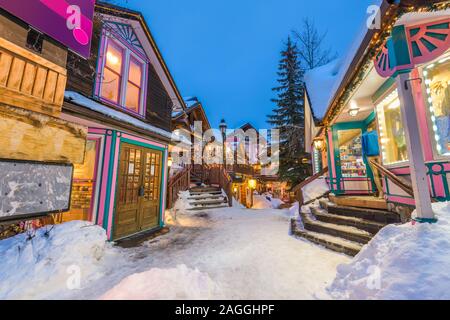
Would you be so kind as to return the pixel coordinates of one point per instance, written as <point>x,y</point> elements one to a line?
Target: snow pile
<point>294,210</point>
<point>48,265</point>
<point>178,283</point>
<point>406,262</point>
<point>315,189</point>
<point>266,201</point>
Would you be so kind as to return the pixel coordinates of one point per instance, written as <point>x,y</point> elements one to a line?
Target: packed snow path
<point>248,254</point>
<point>229,253</point>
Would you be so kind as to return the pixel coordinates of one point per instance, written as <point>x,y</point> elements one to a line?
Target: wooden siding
<point>26,135</point>
<point>82,74</point>
<point>30,81</point>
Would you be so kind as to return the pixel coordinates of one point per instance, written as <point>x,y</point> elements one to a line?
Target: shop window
<point>437,83</point>
<point>83,186</point>
<point>350,152</point>
<point>392,133</point>
<point>122,77</point>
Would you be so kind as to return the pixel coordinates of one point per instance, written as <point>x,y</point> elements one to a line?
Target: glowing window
<point>123,77</point>
<point>392,133</point>
<point>437,84</point>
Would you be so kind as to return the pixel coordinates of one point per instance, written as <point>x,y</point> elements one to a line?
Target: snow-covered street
<point>230,253</point>
<point>247,254</point>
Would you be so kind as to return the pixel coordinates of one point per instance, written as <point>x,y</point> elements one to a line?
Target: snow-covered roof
<point>191,101</point>
<point>320,83</point>
<point>323,82</point>
<point>95,106</point>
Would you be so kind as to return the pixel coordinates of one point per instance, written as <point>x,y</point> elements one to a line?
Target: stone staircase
<point>205,198</point>
<point>344,229</point>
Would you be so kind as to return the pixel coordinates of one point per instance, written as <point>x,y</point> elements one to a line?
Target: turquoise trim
<point>100,170</point>
<point>385,87</point>
<point>398,48</point>
<point>362,125</point>
<point>416,49</point>
<point>161,193</point>
<point>370,118</point>
<point>426,220</point>
<point>110,182</point>
<point>163,173</point>
<point>142,144</point>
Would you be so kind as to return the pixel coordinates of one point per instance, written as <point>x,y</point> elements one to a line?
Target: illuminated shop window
<point>437,83</point>
<point>351,156</point>
<point>392,133</point>
<point>83,186</point>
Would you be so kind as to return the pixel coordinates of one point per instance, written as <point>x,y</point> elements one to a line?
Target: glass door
<point>352,164</point>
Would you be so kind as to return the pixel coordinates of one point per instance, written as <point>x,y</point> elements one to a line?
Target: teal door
<point>353,173</point>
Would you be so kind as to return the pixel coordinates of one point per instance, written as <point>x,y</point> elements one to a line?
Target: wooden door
<point>139,189</point>
<point>151,185</point>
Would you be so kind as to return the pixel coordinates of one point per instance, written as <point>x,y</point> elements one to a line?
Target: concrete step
<point>332,243</point>
<point>208,202</point>
<point>374,215</point>
<point>206,196</point>
<point>345,232</point>
<point>199,208</point>
<point>204,193</point>
<point>204,189</point>
<point>366,225</point>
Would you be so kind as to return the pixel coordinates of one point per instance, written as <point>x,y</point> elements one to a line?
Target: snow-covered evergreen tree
<point>289,116</point>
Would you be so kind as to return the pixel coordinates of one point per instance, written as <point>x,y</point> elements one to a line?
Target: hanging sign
<point>70,22</point>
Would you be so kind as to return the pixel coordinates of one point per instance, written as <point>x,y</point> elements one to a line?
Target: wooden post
<point>419,176</point>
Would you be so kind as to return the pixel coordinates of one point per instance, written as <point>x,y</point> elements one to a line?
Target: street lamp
<point>223,130</point>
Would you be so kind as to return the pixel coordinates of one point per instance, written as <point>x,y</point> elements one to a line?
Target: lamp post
<point>223,130</point>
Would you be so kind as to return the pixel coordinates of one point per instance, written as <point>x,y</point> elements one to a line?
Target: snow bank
<point>95,106</point>
<point>261,202</point>
<point>315,189</point>
<point>405,262</point>
<point>45,265</point>
<point>178,283</point>
<point>294,210</point>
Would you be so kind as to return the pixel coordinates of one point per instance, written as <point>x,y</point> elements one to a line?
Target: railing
<point>243,169</point>
<point>399,182</point>
<point>298,189</point>
<point>179,182</point>
<point>217,175</point>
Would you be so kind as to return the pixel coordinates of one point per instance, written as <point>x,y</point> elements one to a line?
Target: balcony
<point>29,81</point>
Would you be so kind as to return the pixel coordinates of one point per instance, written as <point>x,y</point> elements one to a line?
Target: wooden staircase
<point>207,198</point>
<point>342,228</point>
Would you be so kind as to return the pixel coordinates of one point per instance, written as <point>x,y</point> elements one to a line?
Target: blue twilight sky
<point>226,52</point>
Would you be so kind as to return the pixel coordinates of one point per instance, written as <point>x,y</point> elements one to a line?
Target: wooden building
<point>37,146</point>
<point>124,94</point>
<point>394,88</point>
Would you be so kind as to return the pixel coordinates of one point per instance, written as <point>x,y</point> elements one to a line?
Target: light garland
<point>429,99</point>
<point>393,14</point>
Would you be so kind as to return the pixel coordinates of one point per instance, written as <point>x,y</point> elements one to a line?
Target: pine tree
<point>289,116</point>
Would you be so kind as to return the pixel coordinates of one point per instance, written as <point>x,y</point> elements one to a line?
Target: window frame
<point>129,54</point>
<point>431,133</point>
<point>387,92</point>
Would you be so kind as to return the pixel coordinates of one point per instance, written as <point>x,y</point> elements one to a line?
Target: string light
<point>375,44</point>
<point>428,82</point>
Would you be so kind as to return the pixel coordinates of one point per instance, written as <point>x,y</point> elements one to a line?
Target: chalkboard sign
<point>33,189</point>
